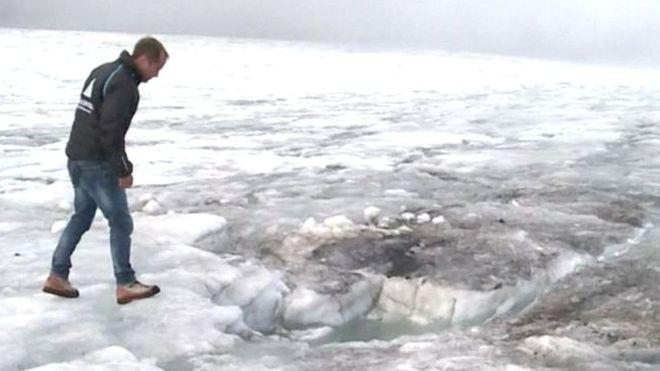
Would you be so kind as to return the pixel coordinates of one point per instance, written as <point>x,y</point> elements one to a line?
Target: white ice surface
<point>254,109</point>
<point>181,321</point>
<point>106,359</point>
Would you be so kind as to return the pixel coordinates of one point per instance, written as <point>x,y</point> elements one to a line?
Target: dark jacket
<point>107,104</point>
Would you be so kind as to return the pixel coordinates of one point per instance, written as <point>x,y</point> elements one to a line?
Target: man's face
<point>150,69</point>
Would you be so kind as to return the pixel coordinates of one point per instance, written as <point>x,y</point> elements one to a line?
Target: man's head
<point>149,56</point>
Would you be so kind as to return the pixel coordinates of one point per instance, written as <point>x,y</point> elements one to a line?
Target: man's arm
<point>115,116</point>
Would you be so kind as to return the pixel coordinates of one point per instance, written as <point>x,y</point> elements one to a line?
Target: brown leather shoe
<point>136,290</point>
<point>59,286</point>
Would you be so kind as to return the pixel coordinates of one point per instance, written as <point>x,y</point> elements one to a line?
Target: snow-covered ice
<point>306,206</point>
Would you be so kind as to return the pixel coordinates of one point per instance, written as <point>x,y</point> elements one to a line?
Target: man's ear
<point>139,59</point>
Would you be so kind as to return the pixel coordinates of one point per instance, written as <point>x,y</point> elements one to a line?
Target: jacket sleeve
<point>115,116</point>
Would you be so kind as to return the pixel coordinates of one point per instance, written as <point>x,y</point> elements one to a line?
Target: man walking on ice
<point>99,169</point>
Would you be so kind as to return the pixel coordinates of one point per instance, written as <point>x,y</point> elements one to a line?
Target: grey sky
<point>621,31</point>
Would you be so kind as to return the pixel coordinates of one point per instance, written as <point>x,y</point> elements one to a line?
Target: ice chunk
<point>423,218</point>
<point>438,219</point>
<point>266,308</point>
<point>334,227</point>
<point>311,228</point>
<point>415,300</point>
<point>385,222</point>
<point>152,207</point>
<point>404,229</point>
<point>425,302</point>
<point>261,295</point>
<point>183,228</point>
<point>308,226</point>
<point>408,216</point>
<point>146,197</point>
<point>371,214</point>
<point>305,307</point>
<point>339,221</point>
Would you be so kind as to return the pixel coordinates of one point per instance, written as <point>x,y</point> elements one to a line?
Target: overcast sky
<point>619,31</point>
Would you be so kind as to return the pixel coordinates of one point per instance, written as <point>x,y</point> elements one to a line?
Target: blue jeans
<point>96,186</point>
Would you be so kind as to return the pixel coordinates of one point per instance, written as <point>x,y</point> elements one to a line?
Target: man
<point>99,169</point>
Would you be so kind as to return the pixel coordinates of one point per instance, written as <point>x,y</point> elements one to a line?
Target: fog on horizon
<point>609,31</point>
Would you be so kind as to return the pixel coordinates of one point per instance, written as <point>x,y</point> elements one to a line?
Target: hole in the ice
<point>364,329</point>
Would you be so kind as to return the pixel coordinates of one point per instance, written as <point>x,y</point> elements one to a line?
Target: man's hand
<point>126,182</point>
